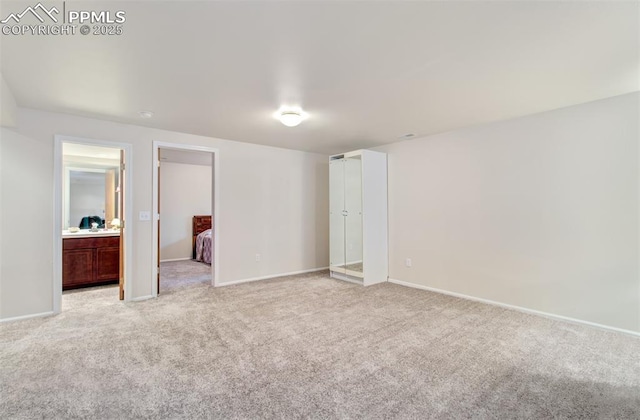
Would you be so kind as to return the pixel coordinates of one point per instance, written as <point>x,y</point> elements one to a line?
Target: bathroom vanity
<point>90,258</point>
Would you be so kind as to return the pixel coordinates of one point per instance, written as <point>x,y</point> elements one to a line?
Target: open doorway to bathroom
<point>185,229</point>
<point>91,242</point>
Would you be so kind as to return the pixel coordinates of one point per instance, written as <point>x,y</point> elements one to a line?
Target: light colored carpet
<point>310,347</point>
<point>177,274</point>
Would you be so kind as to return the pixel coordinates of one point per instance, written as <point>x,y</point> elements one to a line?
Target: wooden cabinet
<point>90,261</point>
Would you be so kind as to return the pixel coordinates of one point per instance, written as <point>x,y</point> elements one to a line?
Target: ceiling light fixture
<point>146,114</point>
<point>291,117</point>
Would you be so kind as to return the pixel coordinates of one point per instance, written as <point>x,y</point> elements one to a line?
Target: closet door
<point>336,216</point>
<point>353,218</point>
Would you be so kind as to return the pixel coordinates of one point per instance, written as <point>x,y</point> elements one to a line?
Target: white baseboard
<point>141,298</point>
<point>23,317</point>
<point>514,307</point>
<point>176,259</point>
<point>271,276</point>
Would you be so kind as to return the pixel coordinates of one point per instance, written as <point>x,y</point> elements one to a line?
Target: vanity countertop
<point>86,233</point>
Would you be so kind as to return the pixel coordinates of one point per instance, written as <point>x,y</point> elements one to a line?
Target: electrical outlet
<point>258,256</point>
<point>144,215</point>
<point>407,262</point>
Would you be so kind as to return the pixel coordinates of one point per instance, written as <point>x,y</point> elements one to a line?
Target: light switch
<point>145,216</point>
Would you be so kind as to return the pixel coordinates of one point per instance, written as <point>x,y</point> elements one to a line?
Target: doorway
<point>174,227</point>
<point>91,192</point>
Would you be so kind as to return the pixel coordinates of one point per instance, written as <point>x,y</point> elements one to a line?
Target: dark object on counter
<point>86,221</point>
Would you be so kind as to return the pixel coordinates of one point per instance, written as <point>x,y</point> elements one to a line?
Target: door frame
<point>57,212</point>
<point>215,208</point>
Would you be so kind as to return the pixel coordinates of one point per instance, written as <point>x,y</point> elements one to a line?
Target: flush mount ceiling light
<point>146,114</point>
<point>291,117</point>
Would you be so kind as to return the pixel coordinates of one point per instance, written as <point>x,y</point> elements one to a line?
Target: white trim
<point>176,259</point>
<point>1,254</point>
<point>57,212</point>
<point>354,153</point>
<point>271,276</point>
<point>57,225</point>
<point>23,317</point>
<point>375,235</point>
<point>345,277</point>
<point>141,298</point>
<point>350,273</point>
<point>215,207</point>
<point>353,273</point>
<point>513,307</point>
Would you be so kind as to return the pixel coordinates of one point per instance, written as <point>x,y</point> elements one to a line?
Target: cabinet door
<point>336,215</point>
<point>77,266</point>
<point>353,219</point>
<point>108,264</point>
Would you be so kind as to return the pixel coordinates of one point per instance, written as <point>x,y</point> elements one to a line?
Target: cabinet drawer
<point>80,243</point>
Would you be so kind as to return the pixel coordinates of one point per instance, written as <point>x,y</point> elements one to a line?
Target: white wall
<point>26,239</point>
<point>185,191</point>
<point>281,213</point>
<point>2,136</point>
<point>8,106</point>
<point>539,212</point>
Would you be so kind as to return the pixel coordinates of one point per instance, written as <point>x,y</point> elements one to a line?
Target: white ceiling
<point>366,72</point>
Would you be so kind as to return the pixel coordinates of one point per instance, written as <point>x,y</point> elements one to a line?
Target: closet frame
<point>374,217</point>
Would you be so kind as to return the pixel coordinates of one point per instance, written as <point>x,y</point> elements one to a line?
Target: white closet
<point>358,217</point>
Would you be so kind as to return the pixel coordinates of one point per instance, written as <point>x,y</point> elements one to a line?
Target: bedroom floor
<point>309,346</point>
<point>178,274</point>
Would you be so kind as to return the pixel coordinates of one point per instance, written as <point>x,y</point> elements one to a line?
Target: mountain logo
<point>34,11</point>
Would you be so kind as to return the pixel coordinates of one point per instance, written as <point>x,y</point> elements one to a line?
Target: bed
<point>202,239</point>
